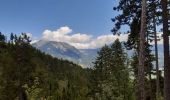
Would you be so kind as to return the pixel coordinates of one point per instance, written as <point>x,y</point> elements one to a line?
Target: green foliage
<point>28,74</point>
<point>111,74</point>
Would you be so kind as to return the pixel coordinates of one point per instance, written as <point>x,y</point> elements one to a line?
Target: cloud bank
<point>79,40</point>
<point>63,35</point>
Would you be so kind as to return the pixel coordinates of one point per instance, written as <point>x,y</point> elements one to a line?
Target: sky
<point>86,20</point>
<point>85,24</point>
<point>34,16</point>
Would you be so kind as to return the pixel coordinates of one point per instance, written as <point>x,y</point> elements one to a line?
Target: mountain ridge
<point>62,50</point>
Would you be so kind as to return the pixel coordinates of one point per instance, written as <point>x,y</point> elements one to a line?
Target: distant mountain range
<point>84,57</point>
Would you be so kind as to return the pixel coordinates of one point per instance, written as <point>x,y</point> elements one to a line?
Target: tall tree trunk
<point>150,68</point>
<point>156,57</point>
<point>166,51</point>
<point>141,74</point>
<point>22,94</point>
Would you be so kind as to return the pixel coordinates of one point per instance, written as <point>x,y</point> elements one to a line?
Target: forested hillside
<point>28,74</point>
<point>70,51</point>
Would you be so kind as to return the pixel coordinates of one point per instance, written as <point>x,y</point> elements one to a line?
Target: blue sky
<point>82,23</point>
<point>35,16</point>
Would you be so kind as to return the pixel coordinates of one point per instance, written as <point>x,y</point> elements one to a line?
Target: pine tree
<point>141,76</point>
<point>156,52</point>
<point>22,54</point>
<point>11,37</point>
<point>131,16</point>
<point>2,42</point>
<point>120,72</point>
<point>101,72</point>
<point>111,74</point>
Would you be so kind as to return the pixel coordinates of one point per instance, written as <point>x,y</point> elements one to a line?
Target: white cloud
<point>63,35</point>
<point>76,38</point>
<point>33,41</point>
<point>100,41</point>
<point>79,40</point>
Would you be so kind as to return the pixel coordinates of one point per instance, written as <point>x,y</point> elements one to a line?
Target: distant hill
<point>63,50</point>
<point>83,57</point>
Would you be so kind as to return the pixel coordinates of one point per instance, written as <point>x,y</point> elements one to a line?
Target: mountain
<point>88,56</point>
<point>83,57</point>
<point>63,50</point>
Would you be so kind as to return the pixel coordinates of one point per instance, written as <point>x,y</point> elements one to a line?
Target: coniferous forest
<point>27,73</point>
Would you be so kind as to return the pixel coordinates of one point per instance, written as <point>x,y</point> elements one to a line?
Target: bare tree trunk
<point>150,69</point>
<point>141,74</point>
<point>156,57</point>
<point>166,51</point>
<point>21,94</point>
